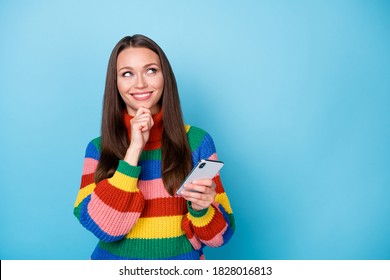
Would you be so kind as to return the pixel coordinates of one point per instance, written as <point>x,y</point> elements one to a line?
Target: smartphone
<point>204,169</point>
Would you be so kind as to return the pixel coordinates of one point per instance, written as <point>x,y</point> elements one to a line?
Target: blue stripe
<point>101,254</point>
<point>150,169</point>
<point>206,147</point>
<point>89,223</point>
<point>92,151</point>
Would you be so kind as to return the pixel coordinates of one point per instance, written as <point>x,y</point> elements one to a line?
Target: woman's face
<point>139,79</point>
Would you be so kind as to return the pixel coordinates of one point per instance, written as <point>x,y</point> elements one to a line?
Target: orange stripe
<point>86,180</point>
<point>152,145</point>
<point>172,206</point>
<point>109,220</point>
<point>209,231</point>
<point>118,199</point>
<point>217,240</point>
<point>218,183</point>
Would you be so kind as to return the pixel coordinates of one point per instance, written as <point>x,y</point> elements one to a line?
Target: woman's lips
<point>141,96</point>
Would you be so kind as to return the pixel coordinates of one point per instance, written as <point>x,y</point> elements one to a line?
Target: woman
<point>131,172</point>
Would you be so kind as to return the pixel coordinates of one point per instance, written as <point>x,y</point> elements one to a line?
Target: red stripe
<point>152,145</point>
<point>168,206</point>
<point>118,199</point>
<point>186,225</point>
<point>215,226</point>
<point>87,180</point>
<point>218,183</point>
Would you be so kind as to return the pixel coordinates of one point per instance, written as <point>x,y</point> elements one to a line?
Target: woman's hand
<point>140,128</point>
<point>201,193</point>
<point>140,131</point>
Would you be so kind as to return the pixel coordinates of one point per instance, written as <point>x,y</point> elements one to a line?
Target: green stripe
<point>232,222</point>
<point>148,248</point>
<point>195,137</point>
<point>151,155</point>
<point>76,211</point>
<point>98,143</point>
<point>196,214</point>
<point>129,170</point>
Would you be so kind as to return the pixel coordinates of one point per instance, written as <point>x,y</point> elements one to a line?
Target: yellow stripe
<point>222,199</point>
<point>83,193</point>
<point>187,127</point>
<point>124,182</point>
<point>157,227</point>
<point>204,220</point>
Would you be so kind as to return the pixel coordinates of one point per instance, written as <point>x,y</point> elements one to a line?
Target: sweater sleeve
<point>110,208</point>
<point>215,225</point>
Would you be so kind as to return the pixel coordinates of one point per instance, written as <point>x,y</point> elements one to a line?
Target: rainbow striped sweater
<point>133,215</point>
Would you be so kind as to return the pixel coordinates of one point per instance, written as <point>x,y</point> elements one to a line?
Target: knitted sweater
<point>133,215</point>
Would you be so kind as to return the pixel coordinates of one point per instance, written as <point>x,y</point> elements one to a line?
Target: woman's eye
<point>127,74</point>
<point>151,71</point>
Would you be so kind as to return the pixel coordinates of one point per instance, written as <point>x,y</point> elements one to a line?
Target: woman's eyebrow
<point>145,66</point>
<point>151,64</point>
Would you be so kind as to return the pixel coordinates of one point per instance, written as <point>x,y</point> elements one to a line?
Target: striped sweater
<point>133,215</point>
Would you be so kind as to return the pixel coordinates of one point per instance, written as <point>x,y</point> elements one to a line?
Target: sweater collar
<point>155,132</point>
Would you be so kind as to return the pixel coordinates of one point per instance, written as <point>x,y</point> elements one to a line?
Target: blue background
<point>294,93</point>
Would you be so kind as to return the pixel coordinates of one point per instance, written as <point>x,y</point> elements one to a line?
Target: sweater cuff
<point>201,218</point>
<point>129,170</point>
<point>125,177</point>
<point>194,213</point>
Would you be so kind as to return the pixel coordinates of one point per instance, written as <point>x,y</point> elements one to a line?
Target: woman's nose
<point>141,82</point>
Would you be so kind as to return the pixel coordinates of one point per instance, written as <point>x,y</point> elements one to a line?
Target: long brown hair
<point>176,153</point>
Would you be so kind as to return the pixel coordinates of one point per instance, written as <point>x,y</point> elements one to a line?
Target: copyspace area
<point>294,93</point>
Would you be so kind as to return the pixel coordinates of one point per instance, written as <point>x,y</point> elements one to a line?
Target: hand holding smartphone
<point>204,169</point>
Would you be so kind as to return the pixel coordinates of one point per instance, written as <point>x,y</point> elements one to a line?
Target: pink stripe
<point>213,157</point>
<point>217,240</point>
<point>195,242</point>
<point>152,189</point>
<point>111,221</point>
<point>216,205</point>
<point>155,188</point>
<point>90,165</point>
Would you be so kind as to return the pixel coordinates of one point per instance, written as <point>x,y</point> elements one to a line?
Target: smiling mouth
<point>141,96</point>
